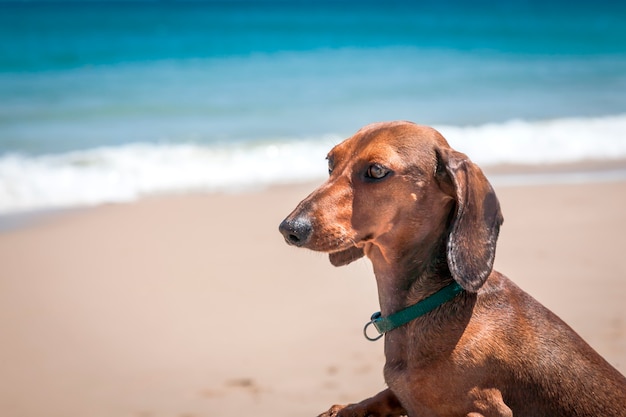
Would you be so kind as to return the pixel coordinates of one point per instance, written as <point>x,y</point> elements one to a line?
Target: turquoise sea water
<point>104,101</point>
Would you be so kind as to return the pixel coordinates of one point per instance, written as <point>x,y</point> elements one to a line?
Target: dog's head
<point>394,187</point>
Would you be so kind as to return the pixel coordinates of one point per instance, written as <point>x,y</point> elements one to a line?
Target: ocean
<point>109,101</point>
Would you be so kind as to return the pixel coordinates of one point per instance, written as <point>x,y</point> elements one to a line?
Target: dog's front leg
<point>383,404</point>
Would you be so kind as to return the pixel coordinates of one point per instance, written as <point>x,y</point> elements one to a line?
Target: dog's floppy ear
<point>473,232</point>
<point>345,257</point>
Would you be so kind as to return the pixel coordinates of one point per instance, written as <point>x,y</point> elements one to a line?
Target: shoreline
<point>501,175</point>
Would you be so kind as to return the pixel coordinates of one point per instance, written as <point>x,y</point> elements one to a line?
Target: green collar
<point>402,317</point>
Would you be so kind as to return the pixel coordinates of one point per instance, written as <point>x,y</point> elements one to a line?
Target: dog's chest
<point>419,380</point>
<point>403,380</point>
<point>403,383</point>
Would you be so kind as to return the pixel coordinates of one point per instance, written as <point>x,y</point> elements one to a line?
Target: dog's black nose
<point>296,231</point>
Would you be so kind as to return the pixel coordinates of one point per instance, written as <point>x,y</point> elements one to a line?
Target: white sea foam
<point>124,173</point>
<point>127,172</point>
<point>542,142</point>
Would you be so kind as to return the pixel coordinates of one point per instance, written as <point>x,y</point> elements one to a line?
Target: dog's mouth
<point>345,256</point>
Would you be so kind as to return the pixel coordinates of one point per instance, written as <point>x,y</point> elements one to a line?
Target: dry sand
<point>194,306</point>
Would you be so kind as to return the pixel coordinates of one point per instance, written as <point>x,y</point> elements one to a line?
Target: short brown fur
<point>425,215</point>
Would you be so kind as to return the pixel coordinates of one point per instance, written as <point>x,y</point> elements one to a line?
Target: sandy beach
<point>192,305</point>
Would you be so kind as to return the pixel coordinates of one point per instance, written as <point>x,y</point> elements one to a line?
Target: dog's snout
<point>296,231</point>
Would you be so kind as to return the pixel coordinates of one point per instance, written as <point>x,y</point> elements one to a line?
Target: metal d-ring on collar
<point>376,316</point>
<point>402,317</point>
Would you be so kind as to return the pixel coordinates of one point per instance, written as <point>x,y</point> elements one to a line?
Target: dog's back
<point>547,368</point>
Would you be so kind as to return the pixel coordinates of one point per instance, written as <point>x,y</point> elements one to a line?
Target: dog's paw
<point>333,411</point>
<point>351,410</point>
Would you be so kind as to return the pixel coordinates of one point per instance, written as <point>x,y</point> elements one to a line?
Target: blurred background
<point>188,303</point>
<point>112,100</point>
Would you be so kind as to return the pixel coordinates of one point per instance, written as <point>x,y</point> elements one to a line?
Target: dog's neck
<point>412,266</point>
<point>404,279</point>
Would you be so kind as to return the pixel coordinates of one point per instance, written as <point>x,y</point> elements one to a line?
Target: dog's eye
<point>330,166</point>
<point>376,172</point>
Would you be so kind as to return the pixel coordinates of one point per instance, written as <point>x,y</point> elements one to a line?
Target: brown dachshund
<point>428,220</point>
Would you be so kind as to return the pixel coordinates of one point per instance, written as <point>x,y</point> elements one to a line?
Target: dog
<point>472,343</point>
